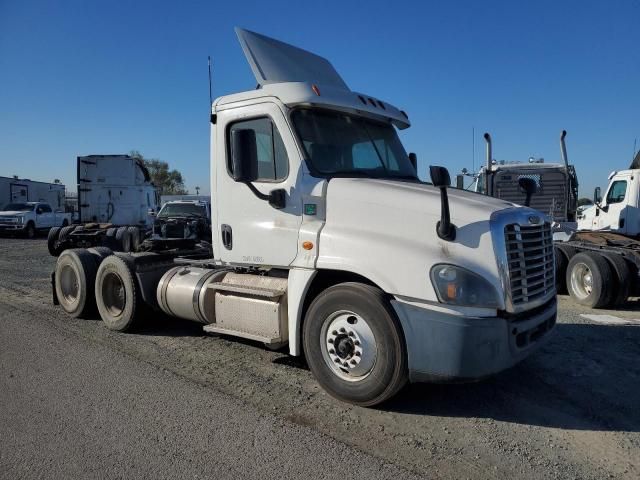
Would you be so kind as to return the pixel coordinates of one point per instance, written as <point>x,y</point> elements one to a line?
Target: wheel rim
<point>114,295</point>
<point>348,345</point>
<point>582,281</point>
<point>69,284</point>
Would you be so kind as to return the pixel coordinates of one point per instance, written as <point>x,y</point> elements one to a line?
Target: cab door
<point>247,228</point>
<point>613,217</point>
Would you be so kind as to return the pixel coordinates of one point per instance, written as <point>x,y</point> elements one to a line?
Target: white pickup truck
<point>28,218</point>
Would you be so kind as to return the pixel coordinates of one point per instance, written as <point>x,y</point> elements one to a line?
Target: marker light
<point>307,245</point>
<point>315,89</point>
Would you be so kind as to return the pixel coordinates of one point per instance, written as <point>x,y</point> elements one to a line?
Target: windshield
<point>341,144</point>
<point>18,207</point>
<point>182,210</point>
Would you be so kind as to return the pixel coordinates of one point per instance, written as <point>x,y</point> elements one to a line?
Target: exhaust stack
<point>563,149</point>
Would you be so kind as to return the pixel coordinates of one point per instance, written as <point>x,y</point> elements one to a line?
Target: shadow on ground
<point>586,378</point>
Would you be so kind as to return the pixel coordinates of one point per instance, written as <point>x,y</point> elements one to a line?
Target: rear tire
<point>100,253</point>
<point>75,280</point>
<point>52,239</point>
<point>623,275</point>
<point>64,233</point>
<point>117,294</point>
<point>590,280</point>
<point>561,271</point>
<point>354,344</point>
<point>123,238</point>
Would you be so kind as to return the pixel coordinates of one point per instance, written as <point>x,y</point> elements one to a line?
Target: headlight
<point>458,286</point>
<point>20,219</point>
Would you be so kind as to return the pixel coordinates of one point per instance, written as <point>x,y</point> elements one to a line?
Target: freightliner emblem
<point>534,219</point>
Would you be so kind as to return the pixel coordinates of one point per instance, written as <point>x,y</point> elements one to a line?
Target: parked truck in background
<point>325,241</point>
<point>117,202</point>
<point>556,186</point>
<point>599,264</point>
<point>29,218</point>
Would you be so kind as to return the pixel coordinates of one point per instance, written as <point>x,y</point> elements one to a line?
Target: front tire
<point>354,344</point>
<point>30,231</point>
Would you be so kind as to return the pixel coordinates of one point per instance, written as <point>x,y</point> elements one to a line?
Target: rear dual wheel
<point>354,344</point>
<point>117,294</point>
<point>590,280</point>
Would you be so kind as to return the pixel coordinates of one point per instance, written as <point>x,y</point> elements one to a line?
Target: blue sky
<point>90,77</point>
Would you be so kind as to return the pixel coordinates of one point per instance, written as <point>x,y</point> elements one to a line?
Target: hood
<point>385,231</point>
<point>13,213</point>
<point>418,198</point>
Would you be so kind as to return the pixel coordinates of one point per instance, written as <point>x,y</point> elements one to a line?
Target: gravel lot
<point>77,400</point>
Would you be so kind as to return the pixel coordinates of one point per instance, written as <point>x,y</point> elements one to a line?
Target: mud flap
<point>54,295</point>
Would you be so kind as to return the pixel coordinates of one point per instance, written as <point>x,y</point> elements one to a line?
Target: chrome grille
<point>530,261</point>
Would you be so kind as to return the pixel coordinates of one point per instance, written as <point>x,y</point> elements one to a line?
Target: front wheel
<point>354,344</point>
<point>30,231</point>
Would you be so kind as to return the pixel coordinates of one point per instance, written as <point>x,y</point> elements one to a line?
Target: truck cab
<point>618,210</point>
<point>556,186</point>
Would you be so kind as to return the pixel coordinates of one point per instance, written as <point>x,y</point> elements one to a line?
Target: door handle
<point>227,236</point>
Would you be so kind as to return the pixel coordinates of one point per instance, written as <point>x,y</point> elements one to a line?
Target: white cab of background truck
<point>115,189</point>
<point>325,239</point>
<point>619,210</point>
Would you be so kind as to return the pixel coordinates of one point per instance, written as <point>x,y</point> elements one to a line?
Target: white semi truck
<point>117,202</point>
<point>326,241</point>
<point>599,264</point>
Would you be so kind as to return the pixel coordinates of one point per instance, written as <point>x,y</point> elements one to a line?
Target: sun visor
<point>273,61</point>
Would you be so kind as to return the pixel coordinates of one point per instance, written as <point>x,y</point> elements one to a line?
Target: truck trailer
<point>326,242</point>
<point>21,190</point>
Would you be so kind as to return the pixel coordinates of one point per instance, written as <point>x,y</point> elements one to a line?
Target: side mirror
<point>440,176</point>
<point>244,154</point>
<point>413,158</point>
<point>460,182</point>
<point>596,195</point>
<point>530,187</point>
<point>278,198</point>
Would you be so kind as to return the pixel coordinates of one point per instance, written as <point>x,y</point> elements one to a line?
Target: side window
<point>273,163</point>
<point>617,192</point>
<point>42,208</point>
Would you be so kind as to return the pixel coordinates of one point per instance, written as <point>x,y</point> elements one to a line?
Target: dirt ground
<point>568,411</point>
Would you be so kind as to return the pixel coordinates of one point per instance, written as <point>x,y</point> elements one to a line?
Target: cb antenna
<point>210,97</point>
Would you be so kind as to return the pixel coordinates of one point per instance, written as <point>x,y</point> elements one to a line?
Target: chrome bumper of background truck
<point>443,347</point>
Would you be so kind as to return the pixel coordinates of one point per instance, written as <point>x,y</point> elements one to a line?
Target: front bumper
<point>12,227</point>
<point>443,347</point>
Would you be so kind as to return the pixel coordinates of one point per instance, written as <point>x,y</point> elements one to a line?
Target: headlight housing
<point>458,286</point>
<point>20,219</point>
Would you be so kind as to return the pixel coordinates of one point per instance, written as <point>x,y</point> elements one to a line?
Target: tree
<point>168,182</point>
<point>584,201</point>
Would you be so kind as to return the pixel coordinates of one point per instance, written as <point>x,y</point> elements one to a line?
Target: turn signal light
<point>315,89</point>
<point>307,245</point>
<point>451,291</point>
